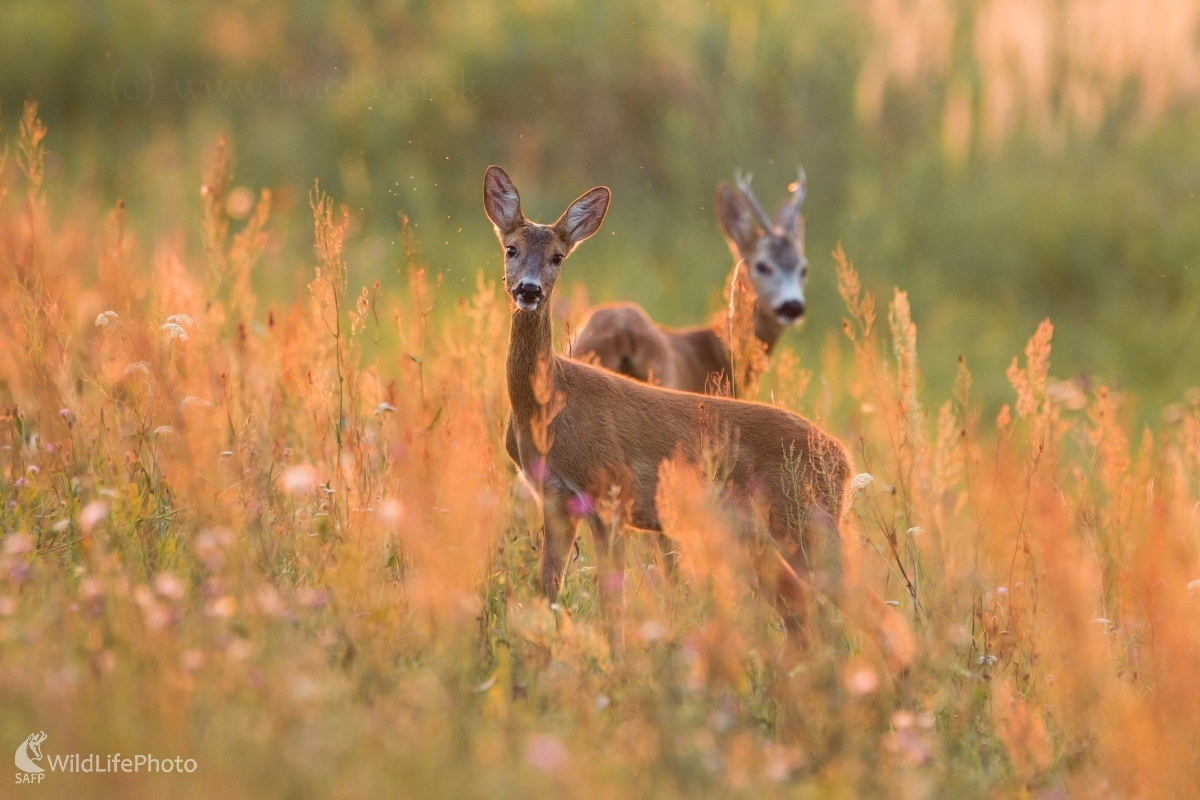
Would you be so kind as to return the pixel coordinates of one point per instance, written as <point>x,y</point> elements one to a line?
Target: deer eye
<point>510,252</point>
<point>762,268</point>
<point>556,259</point>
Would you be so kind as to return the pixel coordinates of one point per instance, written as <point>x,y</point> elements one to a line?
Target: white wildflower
<point>651,630</point>
<point>860,482</point>
<point>164,430</point>
<point>391,511</point>
<point>545,753</point>
<point>106,318</point>
<point>92,514</point>
<point>175,331</point>
<point>181,319</point>
<point>382,407</point>
<point>169,586</point>
<point>299,479</point>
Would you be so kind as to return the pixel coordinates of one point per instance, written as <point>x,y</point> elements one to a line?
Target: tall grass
<point>285,541</point>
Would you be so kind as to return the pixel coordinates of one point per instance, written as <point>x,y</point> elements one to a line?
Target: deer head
<point>533,253</point>
<point>772,251</point>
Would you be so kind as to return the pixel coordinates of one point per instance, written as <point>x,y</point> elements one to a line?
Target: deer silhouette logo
<point>30,751</point>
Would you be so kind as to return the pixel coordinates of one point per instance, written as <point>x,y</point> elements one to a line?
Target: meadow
<point>257,507</point>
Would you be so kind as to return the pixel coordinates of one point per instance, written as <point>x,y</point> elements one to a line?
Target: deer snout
<point>528,295</point>
<point>790,311</point>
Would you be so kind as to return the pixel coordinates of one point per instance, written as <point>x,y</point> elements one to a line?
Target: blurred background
<point>1001,160</point>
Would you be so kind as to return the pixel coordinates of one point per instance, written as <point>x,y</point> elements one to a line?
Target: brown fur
<point>622,338</point>
<point>607,430</point>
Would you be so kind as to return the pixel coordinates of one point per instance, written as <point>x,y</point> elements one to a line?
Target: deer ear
<point>737,220</point>
<point>501,201</point>
<point>583,217</point>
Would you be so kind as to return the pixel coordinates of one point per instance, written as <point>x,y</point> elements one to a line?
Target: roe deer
<point>581,434</point>
<point>623,338</point>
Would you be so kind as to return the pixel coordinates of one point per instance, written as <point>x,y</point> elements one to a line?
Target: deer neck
<point>530,344</point>
<point>767,328</point>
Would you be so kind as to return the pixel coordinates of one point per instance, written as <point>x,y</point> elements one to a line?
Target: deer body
<point>577,431</point>
<point>622,337</point>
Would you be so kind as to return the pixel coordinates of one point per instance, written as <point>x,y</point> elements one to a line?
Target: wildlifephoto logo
<point>29,754</point>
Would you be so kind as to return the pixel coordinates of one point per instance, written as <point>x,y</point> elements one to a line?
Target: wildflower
<point>106,319</point>
<point>384,407</point>
<point>210,546</point>
<point>298,479</point>
<point>239,649</point>
<point>169,586</point>
<point>860,482</point>
<point>391,511</point>
<point>191,660</point>
<point>313,598</point>
<point>137,366</point>
<point>181,319</point>
<point>651,630</point>
<point>1194,586</point>
<point>268,601</point>
<point>92,515</point>
<point>545,752</point>
<point>907,744</point>
<point>222,607</point>
<point>860,679</point>
<point>781,762</point>
<point>175,331</point>
<point>164,430</point>
<point>192,400</point>
<point>90,589</point>
<point>17,543</point>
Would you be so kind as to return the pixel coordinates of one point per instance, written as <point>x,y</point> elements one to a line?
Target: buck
<point>622,337</point>
<point>582,434</point>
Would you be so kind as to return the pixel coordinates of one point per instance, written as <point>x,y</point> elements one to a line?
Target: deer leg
<point>810,570</point>
<point>609,541</point>
<point>558,537</point>
<point>791,594</point>
<point>670,555</point>
<point>820,560</point>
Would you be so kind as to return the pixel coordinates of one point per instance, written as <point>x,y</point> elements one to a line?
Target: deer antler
<point>743,185</point>
<point>786,216</point>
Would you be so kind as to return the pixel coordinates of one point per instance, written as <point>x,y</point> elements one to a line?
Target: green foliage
<point>398,106</point>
